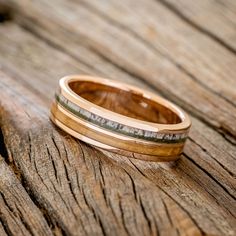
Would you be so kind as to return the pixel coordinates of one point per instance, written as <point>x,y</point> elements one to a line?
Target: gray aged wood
<point>70,188</point>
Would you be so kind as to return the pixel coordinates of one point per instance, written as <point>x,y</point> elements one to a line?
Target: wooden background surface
<point>52,184</point>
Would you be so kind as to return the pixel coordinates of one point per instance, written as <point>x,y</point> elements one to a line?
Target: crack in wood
<point>211,177</point>
<point>5,227</point>
<point>14,207</point>
<point>3,149</point>
<point>165,192</point>
<point>205,150</point>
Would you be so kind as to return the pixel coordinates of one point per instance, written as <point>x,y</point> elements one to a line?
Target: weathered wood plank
<point>176,56</point>
<point>32,53</point>
<point>198,199</point>
<point>18,214</point>
<point>217,159</point>
<point>199,191</point>
<point>173,38</point>
<point>75,183</point>
<point>217,19</point>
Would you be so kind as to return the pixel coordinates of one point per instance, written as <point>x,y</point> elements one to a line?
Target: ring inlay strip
<point>117,127</point>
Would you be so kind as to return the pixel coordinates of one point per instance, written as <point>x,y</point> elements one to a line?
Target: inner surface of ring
<point>127,103</point>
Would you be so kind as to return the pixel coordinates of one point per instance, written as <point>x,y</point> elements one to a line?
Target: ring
<point>121,118</point>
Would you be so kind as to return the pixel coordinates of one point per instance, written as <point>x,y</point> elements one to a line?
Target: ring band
<point>120,117</point>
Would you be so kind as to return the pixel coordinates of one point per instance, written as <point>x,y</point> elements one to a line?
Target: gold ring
<point>120,117</point>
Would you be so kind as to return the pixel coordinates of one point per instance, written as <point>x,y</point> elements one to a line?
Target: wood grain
<point>176,56</point>
<point>30,44</point>
<point>197,14</point>
<point>18,214</point>
<point>84,191</point>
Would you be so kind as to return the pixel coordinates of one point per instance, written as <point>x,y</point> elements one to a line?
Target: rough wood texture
<point>18,214</point>
<point>176,51</point>
<point>78,190</point>
<point>197,14</point>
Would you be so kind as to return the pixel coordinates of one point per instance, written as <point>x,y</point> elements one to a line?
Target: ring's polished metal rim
<point>109,130</point>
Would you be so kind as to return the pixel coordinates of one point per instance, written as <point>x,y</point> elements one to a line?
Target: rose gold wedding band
<point>120,117</point>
